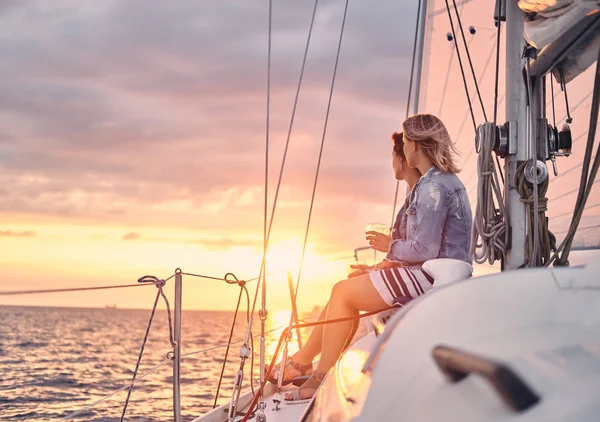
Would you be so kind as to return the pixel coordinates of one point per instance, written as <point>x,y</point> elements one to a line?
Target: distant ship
<point>111,306</point>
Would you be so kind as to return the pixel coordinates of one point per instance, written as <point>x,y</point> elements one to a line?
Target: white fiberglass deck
<point>287,411</point>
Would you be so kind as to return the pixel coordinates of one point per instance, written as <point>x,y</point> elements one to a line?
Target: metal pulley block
<point>504,139</point>
<point>560,144</point>
<point>538,173</point>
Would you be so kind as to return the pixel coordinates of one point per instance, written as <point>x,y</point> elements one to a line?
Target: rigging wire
<point>571,212</point>
<point>575,167</point>
<point>445,88</point>
<point>498,33</point>
<point>587,176</point>
<point>71,289</point>
<point>286,147</point>
<point>220,278</point>
<point>267,130</point>
<point>154,369</point>
<point>285,333</point>
<point>497,77</point>
<point>117,391</point>
<point>312,200</point>
<point>462,71</point>
<point>267,233</point>
<point>553,108</point>
<point>569,192</point>
<point>75,289</point>
<point>243,288</point>
<point>586,228</point>
<point>464,120</point>
<point>469,58</point>
<point>171,340</point>
<point>410,88</point>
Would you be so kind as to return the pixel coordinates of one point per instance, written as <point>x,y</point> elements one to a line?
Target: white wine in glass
<point>379,228</point>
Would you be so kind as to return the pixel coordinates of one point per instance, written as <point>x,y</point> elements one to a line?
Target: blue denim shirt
<point>438,223</point>
<point>399,229</point>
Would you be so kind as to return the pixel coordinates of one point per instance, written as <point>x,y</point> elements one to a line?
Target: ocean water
<point>54,361</point>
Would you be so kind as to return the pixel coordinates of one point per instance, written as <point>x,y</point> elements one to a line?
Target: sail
<point>442,92</point>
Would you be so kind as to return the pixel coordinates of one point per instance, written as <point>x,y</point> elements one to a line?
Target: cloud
<point>10,233</point>
<point>120,110</point>
<point>131,236</point>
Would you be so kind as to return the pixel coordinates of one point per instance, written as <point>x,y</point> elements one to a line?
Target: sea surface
<point>54,361</point>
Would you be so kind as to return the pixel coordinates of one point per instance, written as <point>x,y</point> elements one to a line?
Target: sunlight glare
<point>286,255</point>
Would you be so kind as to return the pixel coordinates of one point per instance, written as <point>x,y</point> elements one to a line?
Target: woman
<point>402,171</point>
<point>298,373</point>
<point>438,225</point>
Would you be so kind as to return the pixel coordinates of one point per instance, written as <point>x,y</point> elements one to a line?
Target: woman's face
<point>398,164</point>
<point>410,151</point>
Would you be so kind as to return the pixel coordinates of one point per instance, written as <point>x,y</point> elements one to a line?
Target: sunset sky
<point>132,142</point>
<point>132,139</point>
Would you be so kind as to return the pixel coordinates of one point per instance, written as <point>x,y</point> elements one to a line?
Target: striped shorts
<point>399,285</point>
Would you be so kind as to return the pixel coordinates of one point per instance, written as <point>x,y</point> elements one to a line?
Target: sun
<point>286,256</point>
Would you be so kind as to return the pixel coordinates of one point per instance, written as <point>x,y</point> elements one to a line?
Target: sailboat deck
<point>288,411</point>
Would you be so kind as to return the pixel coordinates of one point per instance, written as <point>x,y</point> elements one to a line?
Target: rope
<point>534,233</point>
<point>410,87</point>
<point>242,285</point>
<point>490,226</point>
<point>137,365</point>
<point>587,180</point>
<point>74,289</point>
<point>540,256</point>
<point>91,405</point>
<point>284,334</point>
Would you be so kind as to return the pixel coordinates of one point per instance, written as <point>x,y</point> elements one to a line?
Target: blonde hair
<point>433,138</point>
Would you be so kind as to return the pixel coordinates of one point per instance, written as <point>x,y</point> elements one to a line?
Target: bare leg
<point>315,341</point>
<point>313,345</point>
<point>347,298</point>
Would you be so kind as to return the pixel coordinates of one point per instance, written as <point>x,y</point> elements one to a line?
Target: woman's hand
<point>379,241</point>
<point>383,265</point>
<point>360,270</point>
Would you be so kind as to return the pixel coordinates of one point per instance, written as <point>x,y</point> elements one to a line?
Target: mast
<point>516,116</point>
<point>420,53</point>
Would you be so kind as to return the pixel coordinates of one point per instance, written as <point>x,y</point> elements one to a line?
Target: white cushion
<point>447,270</point>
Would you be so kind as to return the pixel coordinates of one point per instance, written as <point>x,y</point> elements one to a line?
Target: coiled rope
<point>490,226</point>
<point>539,256</point>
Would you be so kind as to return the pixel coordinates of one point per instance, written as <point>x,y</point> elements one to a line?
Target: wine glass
<point>379,228</point>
